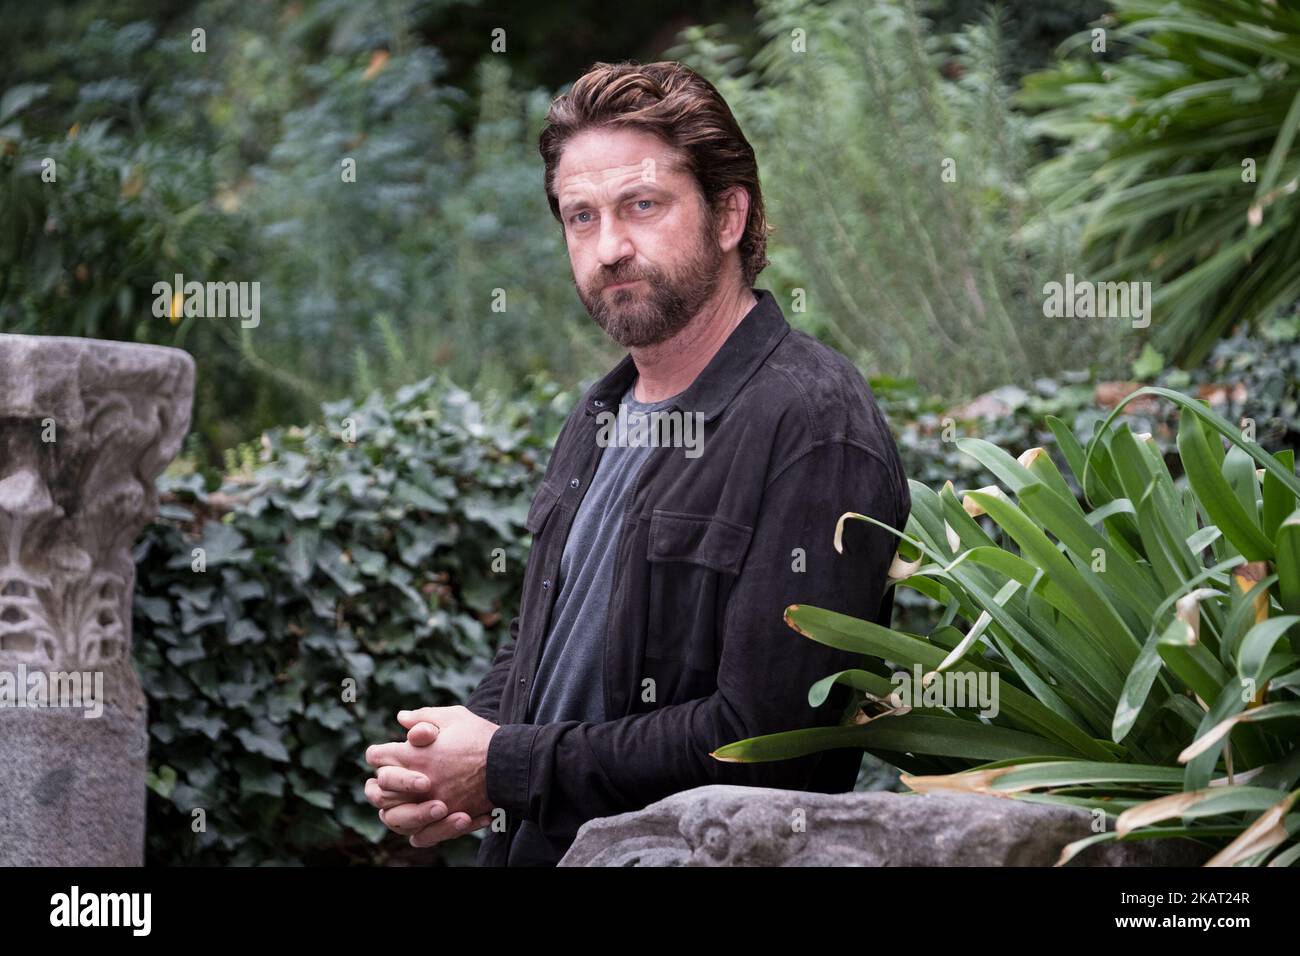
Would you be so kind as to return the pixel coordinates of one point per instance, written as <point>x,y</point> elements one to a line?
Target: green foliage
<point>1255,377</point>
<point>79,255</point>
<point>1033,27</point>
<point>1145,643</point>
<point>229,165</point>
<point>907,273</point>
<point>1155,173</point>
<point>442,255</point>
<point>1253,374</point>
<point>368,564</point>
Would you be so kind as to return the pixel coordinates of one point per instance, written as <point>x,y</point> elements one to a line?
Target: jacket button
<point>573,482</point>
<point>546,585</point>
<point>598,403</point>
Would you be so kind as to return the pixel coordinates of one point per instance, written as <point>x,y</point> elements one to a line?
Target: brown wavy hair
<point>683,109</point>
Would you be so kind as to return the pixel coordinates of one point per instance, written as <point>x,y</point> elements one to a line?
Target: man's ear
<point>731,212</point>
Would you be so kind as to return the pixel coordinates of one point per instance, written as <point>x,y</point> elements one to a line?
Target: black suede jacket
<point>712,551</point>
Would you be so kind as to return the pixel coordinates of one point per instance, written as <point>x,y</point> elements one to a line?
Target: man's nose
<point>613,244</point>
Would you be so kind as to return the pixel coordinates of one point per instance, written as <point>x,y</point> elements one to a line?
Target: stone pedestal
<point>85,428</point>
<point>755,826</point>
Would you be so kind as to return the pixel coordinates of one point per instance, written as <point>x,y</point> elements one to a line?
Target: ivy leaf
<point>1148,364</point>
<point>330,715</point>
<point>257,776</point>
<point>163,782</point>
<point>334,562</point>
<point>504,520</point>
<point>263,738</point>
<point>223,544</point>
<point>363,820</point>
<point>418,498</point>
<point>321,757</point>
<point>156,609</point>
<point>244,630</point>
<point>303,544</point>
<point>371,564</point>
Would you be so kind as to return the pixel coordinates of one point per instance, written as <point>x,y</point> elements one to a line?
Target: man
<point>651,630</point>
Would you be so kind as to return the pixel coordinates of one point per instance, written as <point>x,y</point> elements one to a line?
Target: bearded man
<point>651,628</point>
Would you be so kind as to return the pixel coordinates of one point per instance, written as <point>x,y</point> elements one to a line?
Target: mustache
<point>616,280</point>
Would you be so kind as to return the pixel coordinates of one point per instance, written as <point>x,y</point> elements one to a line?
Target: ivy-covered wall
<point>367,564</point>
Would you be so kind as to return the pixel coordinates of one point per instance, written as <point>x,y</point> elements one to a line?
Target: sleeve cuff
<point>509,762</point>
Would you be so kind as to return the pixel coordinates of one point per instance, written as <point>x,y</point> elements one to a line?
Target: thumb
<point>422,734</point>
<point>409,718</point>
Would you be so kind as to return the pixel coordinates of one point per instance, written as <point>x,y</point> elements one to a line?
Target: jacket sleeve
<point>559,775</point>
<point>486,698</point>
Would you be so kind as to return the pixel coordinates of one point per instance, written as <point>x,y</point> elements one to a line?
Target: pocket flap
<point>702,539</point>
<point>543,503</point>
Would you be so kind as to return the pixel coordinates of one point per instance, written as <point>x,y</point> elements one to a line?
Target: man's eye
<point>651,202</point>
<point>574,217</point>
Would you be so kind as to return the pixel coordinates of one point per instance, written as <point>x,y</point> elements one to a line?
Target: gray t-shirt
<point>570,679</point>
<point>570,675</point>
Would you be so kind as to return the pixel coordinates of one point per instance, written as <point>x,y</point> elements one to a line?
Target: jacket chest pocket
<point>541,508</point>
<point>694,561</point>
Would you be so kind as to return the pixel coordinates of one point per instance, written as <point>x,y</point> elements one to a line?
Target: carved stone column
<point>85,428</point>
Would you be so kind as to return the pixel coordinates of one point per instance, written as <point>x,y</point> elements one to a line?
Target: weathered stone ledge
<point>752,826</point>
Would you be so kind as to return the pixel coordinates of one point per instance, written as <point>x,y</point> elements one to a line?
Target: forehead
<point>601,159</point>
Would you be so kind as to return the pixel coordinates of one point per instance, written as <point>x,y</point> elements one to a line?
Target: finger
<point>441,831</point>
<point>432,715</point>
<point>401,780</point>
<point>383,799</point>
<point>395,754</point>
<point>422,734</point>
<point>409,818</point>
<point>448,828</point>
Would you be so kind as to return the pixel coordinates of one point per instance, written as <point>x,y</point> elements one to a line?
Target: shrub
<point>1144,643</point>
<point>1252,377</point>
<point>346,577</point>
<point>396,224</point>
<point>1246,378</point>
<point>1178,163</point>
<point>908,271</point>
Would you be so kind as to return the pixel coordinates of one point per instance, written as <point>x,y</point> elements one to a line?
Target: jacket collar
<point>748,346</point>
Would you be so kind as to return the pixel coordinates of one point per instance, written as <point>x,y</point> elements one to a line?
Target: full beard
<point>661,306</point>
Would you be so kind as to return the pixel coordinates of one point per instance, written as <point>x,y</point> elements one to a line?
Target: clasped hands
<point>433,786</point>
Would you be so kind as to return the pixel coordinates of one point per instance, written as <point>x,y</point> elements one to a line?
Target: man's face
<point>631,216</point>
